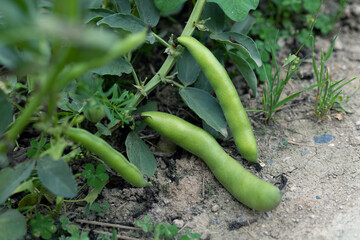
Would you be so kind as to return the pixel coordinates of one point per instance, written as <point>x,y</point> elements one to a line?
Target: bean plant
<point>74,76</point>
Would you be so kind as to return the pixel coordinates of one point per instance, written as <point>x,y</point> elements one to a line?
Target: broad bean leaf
<point>188,69</point>
<point>246,71</point>
<point>140,155</point>
<point>168,6</point>
<point>243,26</point>
<point>214,17</point>
<point>237,10</point>
<point>203,83</point>
<point>57,177</point>
<point>6,111</point>
<point>116,67</point>
<point>127,22</point>
<point>241,42</point>
<point>12,225</point>
<point>206,107</point>
<point>97,14</point>
<point>123,6</point>
<point>10,178</point>
<point>148,12</point>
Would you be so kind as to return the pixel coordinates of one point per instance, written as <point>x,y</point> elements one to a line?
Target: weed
<point>328,90</point>
<point>72,229</point>
<point>98,208</point>
<point>95,178</point>
<point>163,230</point>
<point>42,226</point>
<point>38,147</point>
<point>274,85</point>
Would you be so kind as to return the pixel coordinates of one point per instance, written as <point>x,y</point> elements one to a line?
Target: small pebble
<point>215,208</point>
<point>357,123</point>
<point>304,153</point>
<point>179,223</point>
<point>325,138</point>
<point>317,197</point>
<point>205,235</point>
<point>274,234</point>
<point>357,140</point>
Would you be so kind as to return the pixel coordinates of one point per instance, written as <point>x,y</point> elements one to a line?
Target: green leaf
<point>126,22</point>
<point>42,226</point>
<point>4,161</point>
<point>97,14</point>
<point>237,10</point>
<point>148,12</point>
<point>12,225</point>
<point>216,22</point>
<point>243,26</point>
<point>116,67</point>
<point>6,111</point>
<point>10,178</point>
<point>241,42</point>
<point>57,177</point>
<point>188,69</point>
<point>10,57</point>
<point>93,195</point>
<point>88,171</point>
<point>31,152</point>
<point>311,6</point>
<point>206,107</point>
<point>331,48</point>
<point>168,6</point>
<point>140,155</point>
<point>123,6</point>
<point>203,83</point>
<point>246,71</point>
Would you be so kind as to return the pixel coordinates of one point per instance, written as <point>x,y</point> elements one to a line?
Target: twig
<point>107,224</point>
<point>117,236</point>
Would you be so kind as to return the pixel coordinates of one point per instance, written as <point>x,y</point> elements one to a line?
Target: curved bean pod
<point>244,186</point>
<point>109,155</point>
<point>227,95</point>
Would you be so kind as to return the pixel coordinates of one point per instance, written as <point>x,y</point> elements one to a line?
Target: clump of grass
<point>328,90</point>
<point>274,84</point>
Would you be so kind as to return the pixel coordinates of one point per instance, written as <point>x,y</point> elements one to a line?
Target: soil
<point>320,160</point>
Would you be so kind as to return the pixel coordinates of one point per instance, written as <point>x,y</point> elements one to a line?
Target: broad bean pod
<point>109,155</point>
<point>227,95</point>
<point>244,186</point>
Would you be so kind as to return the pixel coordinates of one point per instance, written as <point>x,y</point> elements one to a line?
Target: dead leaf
<point>339,116</point>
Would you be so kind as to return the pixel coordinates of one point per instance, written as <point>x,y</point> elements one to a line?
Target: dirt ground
<point>321,161</point>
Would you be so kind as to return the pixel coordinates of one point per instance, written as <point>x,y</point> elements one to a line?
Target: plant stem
<point>35,101</point>
<point>170,60</point>
<point>162,41</point>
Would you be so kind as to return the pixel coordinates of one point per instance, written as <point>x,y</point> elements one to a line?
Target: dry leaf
<point>339,116</point>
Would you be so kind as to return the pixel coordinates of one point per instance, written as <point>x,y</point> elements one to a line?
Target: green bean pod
<point>109,155</point>
<point>227,95</point>
<point>244,186</point>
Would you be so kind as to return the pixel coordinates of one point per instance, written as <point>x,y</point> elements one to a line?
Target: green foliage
<point>328,91</point>
<point>163,230</point>
<point>12,225</point>
<point>56,176</point>
<point>98,208</point>
<point>6,110</point>
<point>291,18</point>
<point>140,154</point>
<point>72,229</point>
<point>275,84</point>
<point>42,226</point>
<point>38,147</point>
<point>95,178</point>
